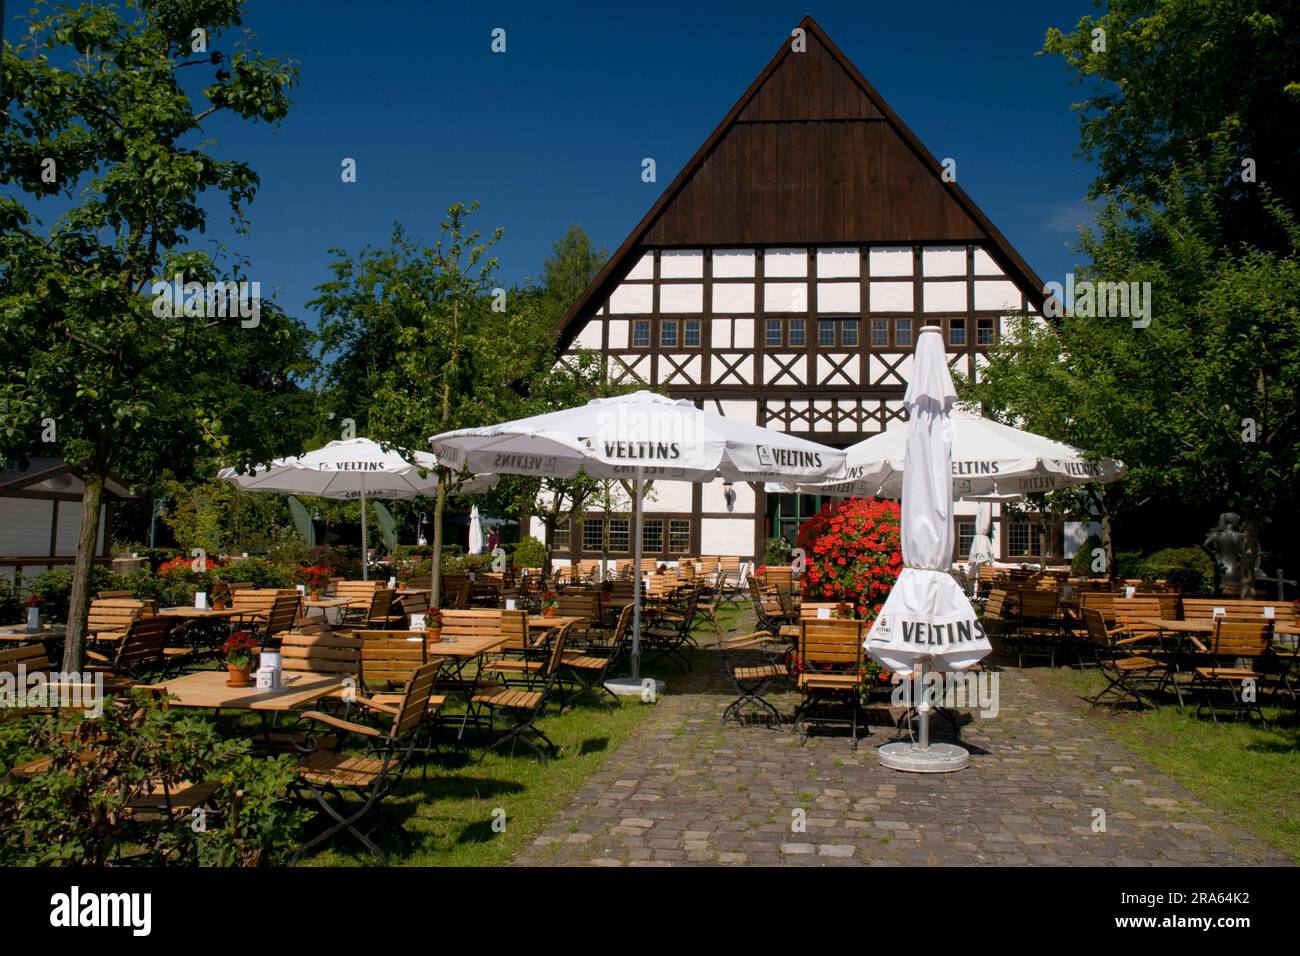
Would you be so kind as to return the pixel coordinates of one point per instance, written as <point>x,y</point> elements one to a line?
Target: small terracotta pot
<point>239,676</point>
<point>433,634</point>
<point>548,611</point>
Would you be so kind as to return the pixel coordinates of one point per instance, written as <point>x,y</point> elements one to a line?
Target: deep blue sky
<point>553,131</point>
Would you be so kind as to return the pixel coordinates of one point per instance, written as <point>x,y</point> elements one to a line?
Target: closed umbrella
<point>927,621</point>
<point>351,468</point>
<point>475,532</point>
<point>981,545</point>
<point>638,438</point>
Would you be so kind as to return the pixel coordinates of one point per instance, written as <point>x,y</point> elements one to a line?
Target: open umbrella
<point>927,620</point>
<point>989,460</point>
<point>351,468</point>
<point>638,438</point>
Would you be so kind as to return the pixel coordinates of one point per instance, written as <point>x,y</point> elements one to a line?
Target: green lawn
<point>1247,773</point>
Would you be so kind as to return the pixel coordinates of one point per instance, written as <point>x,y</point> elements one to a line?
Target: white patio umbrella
<point>927,620</point>
<point>475,532</point>
<point>351,468</point>
<point>981,545</point>
<point>638,438</point>
<point>989,460</point>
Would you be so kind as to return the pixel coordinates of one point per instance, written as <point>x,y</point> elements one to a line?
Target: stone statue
<point>1227,544</point>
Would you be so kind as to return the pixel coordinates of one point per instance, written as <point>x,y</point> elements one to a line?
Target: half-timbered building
<point>782,277</point>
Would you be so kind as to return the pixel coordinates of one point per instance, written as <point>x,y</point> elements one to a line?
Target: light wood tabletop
<point>465,646</point>
<point>207,690</point>
<point>19,633</point>
<point>537,622</point>
<point>199,613</point>
<point>333,602</point>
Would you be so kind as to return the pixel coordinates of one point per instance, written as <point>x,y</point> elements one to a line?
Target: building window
<point>879,333</point>
<point>652,537</point>
<point>691,334</point>
<point>774,338</point>
<point>826,333</point>
<point>902,333</point>
<point>563,536</point>
<point>965,536</point>
<point>837,332</point>
<point>679,535</point>
<point>618,534</point>
<point>956,331</point>
<point>593,530</point>
<point>668,333</point>
<point>641,334</point>
<point>984,332</point>
<point>1025,539</point>
<point>849,333</point>
<point>797,338</point>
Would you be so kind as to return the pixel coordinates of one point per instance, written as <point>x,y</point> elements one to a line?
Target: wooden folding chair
<point>1238,648</point>
<point>588,667</point>
<point>324,774</point>
<point>1126,669</point>
<point>830,663</point>
<point>753,662</point>
<point>142,652</point>
<point>523,707</point>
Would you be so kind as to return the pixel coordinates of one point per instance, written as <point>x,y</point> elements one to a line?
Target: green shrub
<point>776,551</point>
<point>72,814</point>
<point>1129,564</point>
<point>11,603</point>
<point>262,573</point>
<point>55,588</point>
<point>1190,570</point>
<point>530,553</point>
<point>1081,563</point>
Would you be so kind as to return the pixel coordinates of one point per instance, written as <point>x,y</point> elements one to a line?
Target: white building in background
<point>781,278</point>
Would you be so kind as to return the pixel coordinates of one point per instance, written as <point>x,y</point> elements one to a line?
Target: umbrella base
<point>937,758</point>
<point>646,688</point>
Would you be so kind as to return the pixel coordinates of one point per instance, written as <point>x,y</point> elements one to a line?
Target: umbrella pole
<point>636,591</point>
<point>365,547</point>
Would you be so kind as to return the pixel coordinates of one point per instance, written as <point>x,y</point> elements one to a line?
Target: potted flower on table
<point>433,625</point>
<point>240,650</point>
<point>318,579</point>
<point>550,602</point>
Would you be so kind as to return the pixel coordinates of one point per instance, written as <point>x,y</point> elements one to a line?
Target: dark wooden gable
<point>810,155</point>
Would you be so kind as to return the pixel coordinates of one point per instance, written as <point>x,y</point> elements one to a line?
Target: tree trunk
<point>79,602</point>
<point>435,583</point>
<point>1249,556</point>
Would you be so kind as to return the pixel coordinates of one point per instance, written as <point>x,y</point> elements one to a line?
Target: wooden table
<point>539,622</point>
<point>207,690</point>
<point>18,634</point>
<point>464,648</point>
<point>327,604</point>
<point>200,614</point>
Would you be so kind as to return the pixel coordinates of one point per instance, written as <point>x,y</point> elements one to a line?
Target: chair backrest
<point>142,647</point>
<point>116,614</point>
<point>1202,609</point>
<point>321,653</point>
<point>1100,601</point>
<point>583,604</point>
<point>1130,611</point>
<point>1038,604</point>
<point>284,610</point>
<point>471,622</point>
<point>357,590</point>
<point>390,657</point>
<point>836,642</point>
<point>809,609</point>
<point>411,602</point>
<point>514,628</point>
<point>1095,626</point>
<point>1241,638</point>
<point>415,699</point>
<point>30,656</point>
<point>730,565</point>
<point>381,602</point>
<point>708,564</point>
<point>259,601</point>
<point>109,595</point>
<point>999,605</point>
<point>778,576</point>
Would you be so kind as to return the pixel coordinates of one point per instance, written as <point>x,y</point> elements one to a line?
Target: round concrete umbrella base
<point>936,758</point>
<point>647,688</point>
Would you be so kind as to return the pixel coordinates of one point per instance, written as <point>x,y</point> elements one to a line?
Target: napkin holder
<point>269,674</point>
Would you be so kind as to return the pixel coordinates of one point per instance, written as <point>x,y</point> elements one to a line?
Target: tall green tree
<point>100,113</point>
<point>1193,118</point>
